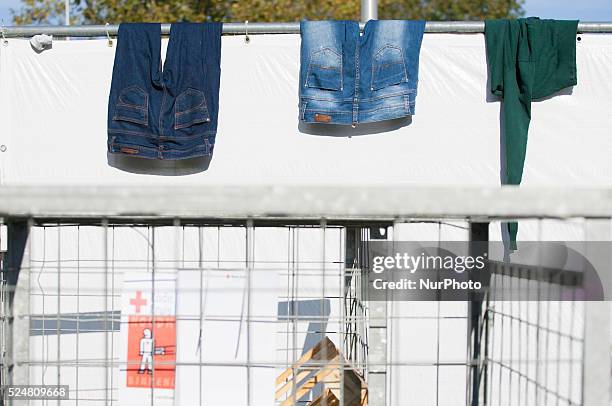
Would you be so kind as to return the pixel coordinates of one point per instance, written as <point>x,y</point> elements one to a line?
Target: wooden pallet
<point>323,365</point>
<point>327,398</point>
<point>347,385</point>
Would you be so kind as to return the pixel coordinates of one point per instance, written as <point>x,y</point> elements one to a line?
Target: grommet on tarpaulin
<point>110,41</point>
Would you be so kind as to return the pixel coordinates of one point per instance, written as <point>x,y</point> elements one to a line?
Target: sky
<point>585,10</point>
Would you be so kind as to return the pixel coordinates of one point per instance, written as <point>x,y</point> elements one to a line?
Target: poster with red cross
<point>148,339</point>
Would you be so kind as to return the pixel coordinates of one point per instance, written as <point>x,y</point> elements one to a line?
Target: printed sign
<point>148,339</point>
<point>151,348</point>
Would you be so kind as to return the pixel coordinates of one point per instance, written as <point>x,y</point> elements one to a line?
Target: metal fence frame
<point>351,207</point>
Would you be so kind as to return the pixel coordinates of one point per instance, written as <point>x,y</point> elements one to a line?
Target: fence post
<point>479,232</point>
<point>17,276</point>
<point>596,366</point>
<point>379,346</point>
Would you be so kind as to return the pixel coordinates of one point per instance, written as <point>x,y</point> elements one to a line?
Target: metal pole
<point>596,346</point>
<point>479,232</point>
<point>379,345</point>
<point>369,10</point>
<point>67,11</point>
<point>446,27</point>
<point>17,273</point>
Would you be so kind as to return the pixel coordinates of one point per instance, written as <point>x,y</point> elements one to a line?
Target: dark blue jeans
<point>168,113</point>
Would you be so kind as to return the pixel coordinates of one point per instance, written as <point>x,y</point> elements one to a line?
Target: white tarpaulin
<point>53,109</point>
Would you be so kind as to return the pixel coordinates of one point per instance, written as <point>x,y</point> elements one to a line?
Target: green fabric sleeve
<point>495,31</point>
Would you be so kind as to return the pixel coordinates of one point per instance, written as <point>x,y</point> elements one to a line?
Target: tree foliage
<point>115,11</point>
<point>433,10</point>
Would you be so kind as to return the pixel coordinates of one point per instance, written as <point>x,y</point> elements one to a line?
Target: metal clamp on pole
<point>108,37</point>
<point>4,40</point>
<point>247,39</point>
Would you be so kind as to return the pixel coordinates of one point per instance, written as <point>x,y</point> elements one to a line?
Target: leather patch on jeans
<point>131,151</point>
<point>322,118</point>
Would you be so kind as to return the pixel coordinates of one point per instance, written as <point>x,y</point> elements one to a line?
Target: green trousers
<point>528,59</point>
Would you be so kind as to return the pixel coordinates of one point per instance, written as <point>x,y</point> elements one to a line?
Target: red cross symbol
<point>138,301</point>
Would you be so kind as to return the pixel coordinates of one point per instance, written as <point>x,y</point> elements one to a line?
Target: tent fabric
<point>53,109</point>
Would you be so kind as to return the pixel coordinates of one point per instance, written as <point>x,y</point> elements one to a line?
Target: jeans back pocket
<point>132,106</point>
<point>190,108</point>
<point>388,67</point>
<point>325,69</point>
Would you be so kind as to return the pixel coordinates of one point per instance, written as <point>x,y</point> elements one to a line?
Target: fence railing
<point>304,203</point>
<point>448,27</point>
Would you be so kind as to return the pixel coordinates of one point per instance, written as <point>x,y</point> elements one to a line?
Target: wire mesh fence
<point>274,314</point>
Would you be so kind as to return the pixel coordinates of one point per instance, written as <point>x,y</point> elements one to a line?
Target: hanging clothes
<point>347,78</point>
<point>170,112</point>
<point>528,59</point>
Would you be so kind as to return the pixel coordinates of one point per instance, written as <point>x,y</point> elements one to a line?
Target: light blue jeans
<point>348,78</point>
